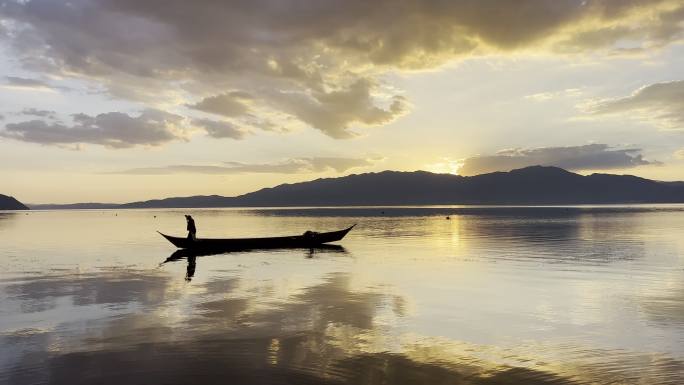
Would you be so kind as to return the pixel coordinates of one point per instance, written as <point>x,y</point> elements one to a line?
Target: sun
<point>446,166</point>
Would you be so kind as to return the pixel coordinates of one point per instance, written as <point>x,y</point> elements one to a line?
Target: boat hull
<point>296,241</point>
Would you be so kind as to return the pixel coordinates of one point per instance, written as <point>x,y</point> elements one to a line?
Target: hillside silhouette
<point>9,203</point>
<point>536,185</point>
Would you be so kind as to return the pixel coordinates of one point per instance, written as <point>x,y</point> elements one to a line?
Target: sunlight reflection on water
<point>491,295</point>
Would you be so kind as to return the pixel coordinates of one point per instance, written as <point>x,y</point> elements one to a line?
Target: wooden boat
<point>308,239</point>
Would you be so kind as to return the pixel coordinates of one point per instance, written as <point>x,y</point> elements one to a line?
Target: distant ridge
<point>536,185</point>
<point>76,206</point>
<point>9,203</point>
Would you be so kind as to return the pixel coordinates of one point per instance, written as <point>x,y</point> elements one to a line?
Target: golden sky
<point>121,100</point>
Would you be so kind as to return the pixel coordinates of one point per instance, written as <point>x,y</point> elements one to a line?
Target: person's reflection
<point>183,254</point>
<point>190,272</point>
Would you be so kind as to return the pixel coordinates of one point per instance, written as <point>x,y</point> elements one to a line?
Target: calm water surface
<point>491,296</point>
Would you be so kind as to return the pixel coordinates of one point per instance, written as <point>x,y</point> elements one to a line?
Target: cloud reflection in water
<point>326,333</point>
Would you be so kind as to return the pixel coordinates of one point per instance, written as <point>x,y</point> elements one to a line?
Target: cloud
<point>39,113</point>
<point>546,96</point>
<point>661,103</point>
<point>301,58</point>
<point>14,82</point>
<point>679,154</point>
<point>25,82</point>
<point>221,130</point>
<point>208,36</point>
<point>229,104</point>
<point>289,166</point>
<point>587,157</point>
<point>636,27</point>
<point>334,112</point>
<point>112,129</point>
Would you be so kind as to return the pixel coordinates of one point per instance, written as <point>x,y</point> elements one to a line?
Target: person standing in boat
<point>192,230</point>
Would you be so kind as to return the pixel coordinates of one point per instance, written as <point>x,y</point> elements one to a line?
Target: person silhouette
<point>192,230</point>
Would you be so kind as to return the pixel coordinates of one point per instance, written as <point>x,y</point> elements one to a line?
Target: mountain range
<point>536,185</point>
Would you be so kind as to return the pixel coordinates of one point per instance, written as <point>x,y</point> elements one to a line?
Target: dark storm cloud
<point>112,129</point>
<point>301,57</point>
<point>660,102</point>
<point>221,130</point>
<point>290,166</point>
<point>587,157</point>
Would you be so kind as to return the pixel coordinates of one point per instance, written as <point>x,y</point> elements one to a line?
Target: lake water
<point>491,296</point>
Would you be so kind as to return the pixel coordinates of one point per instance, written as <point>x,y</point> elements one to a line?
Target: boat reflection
<point>191,255</point>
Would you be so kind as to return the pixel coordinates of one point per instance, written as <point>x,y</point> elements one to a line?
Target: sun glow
<point>446,166</point>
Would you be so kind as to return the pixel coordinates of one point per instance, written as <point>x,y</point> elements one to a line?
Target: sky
<point>125,100</point>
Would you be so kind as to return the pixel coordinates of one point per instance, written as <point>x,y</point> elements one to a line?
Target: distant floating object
<point>448,217</point>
